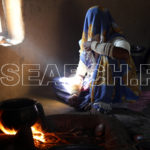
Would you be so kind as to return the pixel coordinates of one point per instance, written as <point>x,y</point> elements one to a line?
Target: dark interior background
<point>52,31</point>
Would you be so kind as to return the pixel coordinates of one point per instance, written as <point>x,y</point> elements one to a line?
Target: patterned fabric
<point>100,26</point>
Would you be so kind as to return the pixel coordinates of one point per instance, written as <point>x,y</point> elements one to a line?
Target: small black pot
<point>17,113</point>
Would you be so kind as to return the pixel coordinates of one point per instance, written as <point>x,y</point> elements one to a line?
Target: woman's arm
<point>120,53</point>
<point>121,48</point>
<point>118,49</point>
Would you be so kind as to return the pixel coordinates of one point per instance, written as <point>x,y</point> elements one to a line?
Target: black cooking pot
<point>17,113</point>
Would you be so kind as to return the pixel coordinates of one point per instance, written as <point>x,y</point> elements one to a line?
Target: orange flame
<point>37,132</point>
<point>6,130</point>
<point>42,140</point>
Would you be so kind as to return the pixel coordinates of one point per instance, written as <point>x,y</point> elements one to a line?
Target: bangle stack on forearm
<point>103,48</point>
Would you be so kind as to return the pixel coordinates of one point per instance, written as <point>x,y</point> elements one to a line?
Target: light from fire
<point>6,130</point>
<point>37,132</point>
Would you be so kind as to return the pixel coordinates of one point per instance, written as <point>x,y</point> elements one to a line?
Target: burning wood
<point>42,139</point>
<point>23,119</point>
<point>37,132</point>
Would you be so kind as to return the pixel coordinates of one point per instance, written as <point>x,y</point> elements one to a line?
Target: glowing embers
<point>51,140</point>
<point>37,132</point>
<point>42,139</point>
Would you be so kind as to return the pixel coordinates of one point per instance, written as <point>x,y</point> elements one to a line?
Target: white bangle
<point>111,52</point>
<point>93,45</point>
<point>103,48</point>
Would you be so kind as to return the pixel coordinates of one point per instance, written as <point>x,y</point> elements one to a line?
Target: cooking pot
<point>17,113</point>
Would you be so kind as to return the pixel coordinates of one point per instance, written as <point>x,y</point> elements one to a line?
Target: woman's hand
<point>87,45</point>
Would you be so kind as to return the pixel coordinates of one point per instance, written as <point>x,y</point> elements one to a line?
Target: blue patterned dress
<point>103,88</point>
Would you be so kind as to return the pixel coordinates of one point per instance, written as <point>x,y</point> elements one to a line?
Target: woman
<point>103,49</point>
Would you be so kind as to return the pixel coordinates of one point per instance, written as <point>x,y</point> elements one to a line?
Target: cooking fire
<point>25,118</point>
<point>23,127</point>
<point>42,139</point>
